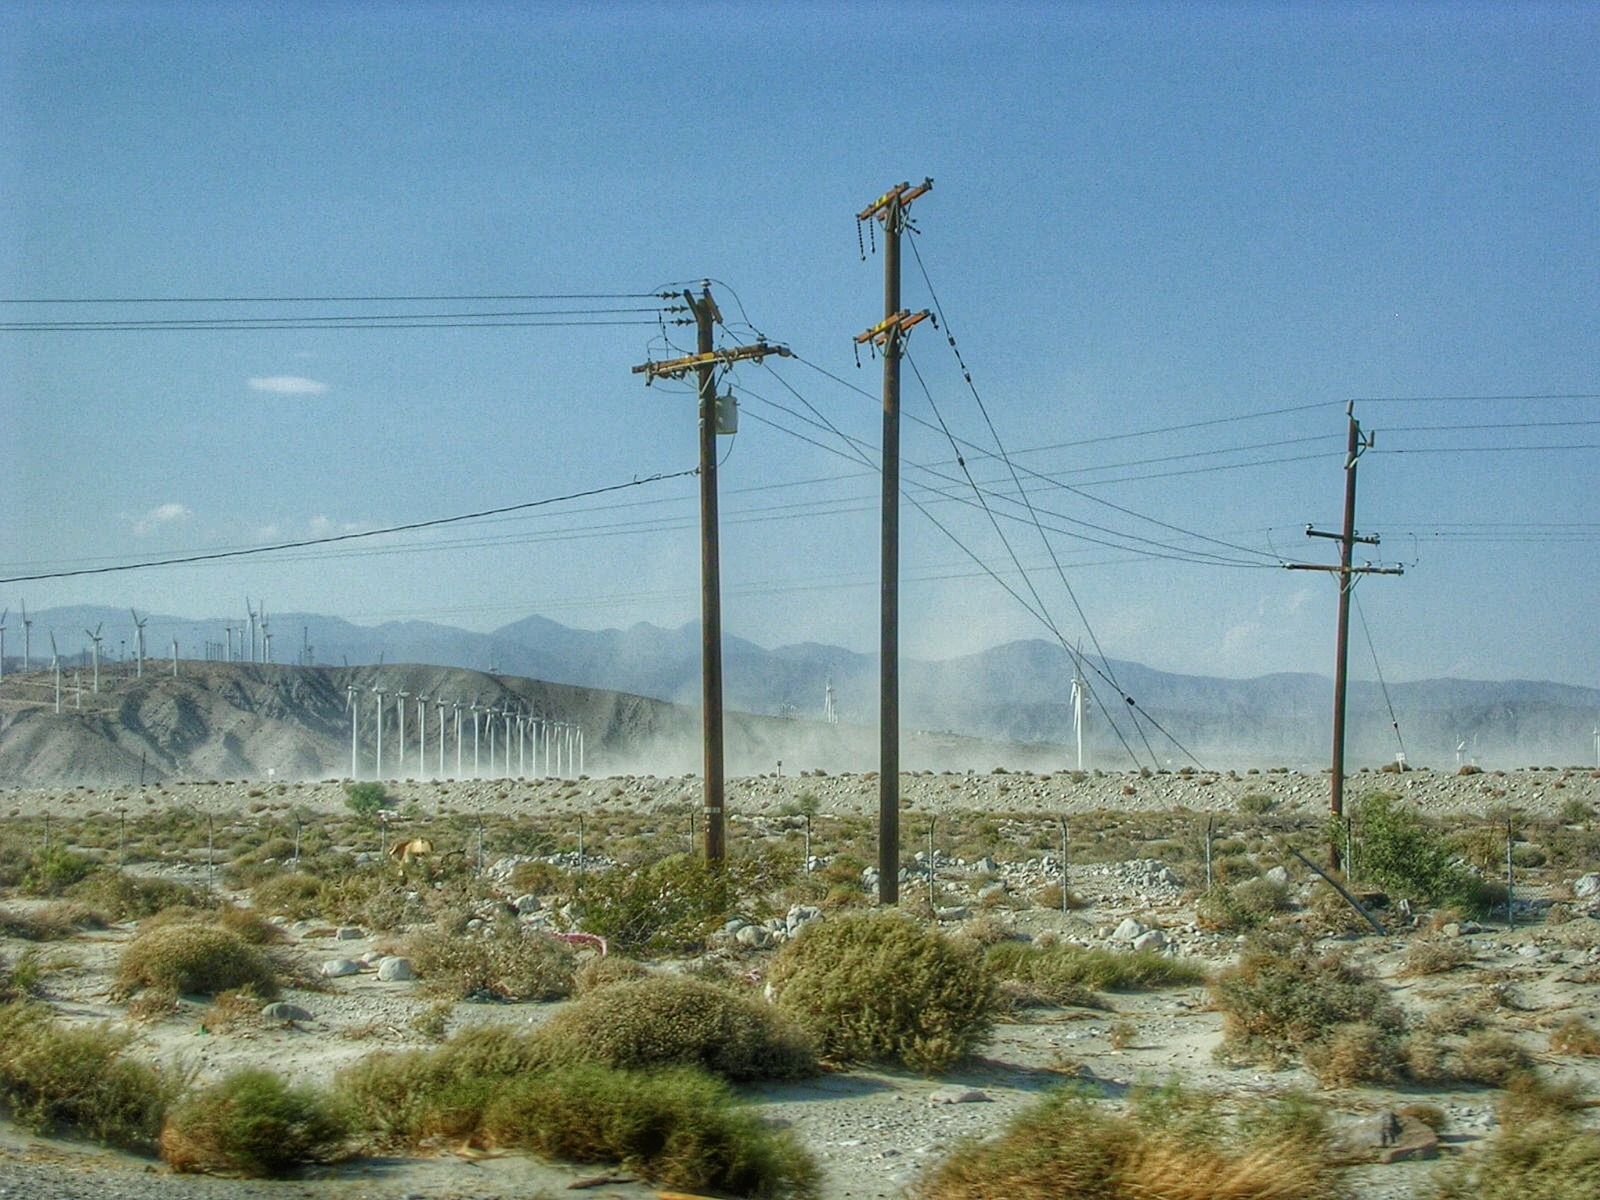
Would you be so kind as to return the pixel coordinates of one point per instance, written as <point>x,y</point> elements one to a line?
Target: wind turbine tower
<point>174,658</point>
<point>1080,698</point>
<point>266,637</point>
<point>439,704</point>
<point>422,737</point>
<point>377,761</point>
<point>400,707</point>
<point>55,665</point>
<point>355,712</point>
<point>830,714</point>
<point>3,615</point>
<point>138,640</point>
<point>252,618</point>
<point>27,639</point>
<point>96,639</point>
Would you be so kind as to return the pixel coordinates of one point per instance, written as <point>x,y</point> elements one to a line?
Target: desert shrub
<point>608,969</point>
<point>1575,1036</point>
<point>1283,997</point>
<point>52,924</point>
<point>1396,850</point>
<point>288,895</point>
<point>1491,1057</point>
<point>79,1081</point>
<point>1539,1152</point>
<point>667,1021</point>
<point>186,958</point>
<point>878,988</point>
<point>540,878</point>
<point>406,1098</point>
<point>1061,974</point>
<point>1243,906</point>
<point>125,897</point>
<point>1435,957</point>
<point>365,799</point>
<point>1257,803</point>
<point>1172,1146</point>
<point>678,1127</point>
<point>501,961</point>
<point>669,905</point>
<point>51,872</point>
<point>252,1123</point>
<point>1357,1052</point>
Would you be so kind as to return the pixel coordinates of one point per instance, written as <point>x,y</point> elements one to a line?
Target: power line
<point>499,297</point>
<point>347,537</point>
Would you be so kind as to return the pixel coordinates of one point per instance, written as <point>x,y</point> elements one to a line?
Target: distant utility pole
<point>1347,538</point>
<point>888,335</point>
<point>704,363</point>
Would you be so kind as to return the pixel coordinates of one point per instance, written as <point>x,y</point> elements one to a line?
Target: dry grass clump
<point>252,1123</point>
<point>1169,1145</point>
<point>595,973</point>
<point>1284,999</point>
<point>190,958</point>
<point>879,988</point>
<point>79,1081</point>
<point>1243,906</point>
<point>1576,1037</point>
<point>1434,957</point>
<point>1490,1057</point>
<point>1063,967</point>
<point>677,1127</point>
<point>297,896</point>
<point>52,923</point>
<point>1540,1152</point>
<point>125,897</point>
<point>676,1021</point>
<point>498,1086</point>
<point>499,962</point>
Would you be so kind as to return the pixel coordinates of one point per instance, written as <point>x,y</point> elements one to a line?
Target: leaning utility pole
<point>1347,538</point>
<point>704,363</point>
<point>890,210</point>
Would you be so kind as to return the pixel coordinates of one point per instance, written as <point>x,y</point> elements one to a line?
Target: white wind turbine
<point>377,761</point>
<point>456,705</point>
<point>438,703</point>
<point>96,639</point>
<point>266,636</point>
<point>3,615</point>
<point>138,640</point>
<point>422,737</point>
<point>55,665</point>
<point>400,706</point>
<point>476,773</point>
<point>355,712</point>
<point>27,639</point>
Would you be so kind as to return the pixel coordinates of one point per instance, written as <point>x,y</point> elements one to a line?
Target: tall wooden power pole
<point>890,210</point>
<point>704,363</point>
<point>1347,538</point>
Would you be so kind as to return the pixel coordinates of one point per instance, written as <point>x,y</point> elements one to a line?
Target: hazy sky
<point>1171,243</point>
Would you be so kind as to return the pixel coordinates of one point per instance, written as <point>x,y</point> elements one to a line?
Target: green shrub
<point>406,1098</point>
<point>502,962</point>
<point>1243,906</point>
<point>1060,974</point>
<point>79,1081</point>
<point>1170,1144</point>
<point>288,895</point>
<point>678,1127</point>
<point>670,905</point>
<point>1283,998</point>
<point>676,1021</point>
<point>190,958</point>
<point>252,1123</point>
<point>1397,851</point>
<point>878,988</point>
<point>125,897</point>
<point>365,799</point>
<point>604,971</point>
<point>53,871</point>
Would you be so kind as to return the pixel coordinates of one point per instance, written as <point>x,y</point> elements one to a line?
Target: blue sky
<point>1170,241</point>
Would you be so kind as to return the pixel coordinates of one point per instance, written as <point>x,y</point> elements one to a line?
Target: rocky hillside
<point>223,721</point>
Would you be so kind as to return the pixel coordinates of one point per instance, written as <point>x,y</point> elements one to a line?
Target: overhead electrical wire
<point>213,556</point>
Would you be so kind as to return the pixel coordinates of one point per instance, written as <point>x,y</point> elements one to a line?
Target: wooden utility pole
<point>704,363</point>
<point>890,210</point>
<point>1347,538</point>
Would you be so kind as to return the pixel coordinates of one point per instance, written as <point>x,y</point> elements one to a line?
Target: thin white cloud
<point>287,385</point>
<point>162,514</point>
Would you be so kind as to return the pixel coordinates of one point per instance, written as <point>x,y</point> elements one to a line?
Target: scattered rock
<point>958,1095</point>
<point>349,933</point>
<point>1128,930</point>
<point>1150,939</point>
<point>282,1010</point>
<point>337,968</point>
<point>395,969</point>
<point>1586,886</point>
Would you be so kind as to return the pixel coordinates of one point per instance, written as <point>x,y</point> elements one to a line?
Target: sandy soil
<point>871,1131</point>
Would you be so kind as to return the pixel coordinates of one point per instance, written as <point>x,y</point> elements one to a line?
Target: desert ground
<point>871,1130</point>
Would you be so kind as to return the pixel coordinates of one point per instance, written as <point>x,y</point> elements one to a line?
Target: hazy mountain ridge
<point>1017,692</point>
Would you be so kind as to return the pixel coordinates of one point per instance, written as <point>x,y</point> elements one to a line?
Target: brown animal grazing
<point>404,852</point>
